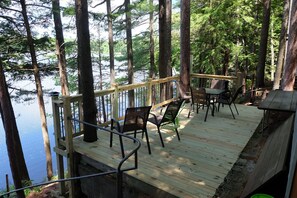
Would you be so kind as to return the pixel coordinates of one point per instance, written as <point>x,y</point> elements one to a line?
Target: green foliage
<point>222,29</point>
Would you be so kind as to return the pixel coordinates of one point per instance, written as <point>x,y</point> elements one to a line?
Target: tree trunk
<point>110,43</point>
<point>169,89</point>
<point>272,56</point>
<point>46,141</point>
<point>291,58</point>
<point>14,147</point>
<point>152,72</point>
<point>226,62</point>
<point>129,52</point>
<point>282,46</point>
<point>162,47</point>
<point>263,44</point>
<point>86,72</point>
<point>102,106</point>
<point>60,47</point>
<point>185,49</point>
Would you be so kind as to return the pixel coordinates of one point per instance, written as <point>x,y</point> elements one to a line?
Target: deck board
<point>192,167</point>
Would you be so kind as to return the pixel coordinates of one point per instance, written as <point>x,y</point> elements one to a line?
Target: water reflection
<point>28,123</point>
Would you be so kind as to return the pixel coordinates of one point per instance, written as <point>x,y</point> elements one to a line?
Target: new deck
<point>193,167</point>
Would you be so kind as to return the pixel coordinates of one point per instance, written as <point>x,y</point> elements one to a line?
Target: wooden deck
<point>193,167</point>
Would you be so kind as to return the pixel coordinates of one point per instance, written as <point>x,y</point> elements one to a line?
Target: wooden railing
<point>111,103</point>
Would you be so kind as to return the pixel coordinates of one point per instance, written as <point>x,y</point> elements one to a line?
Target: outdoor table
<point>213,93</point>
<point>279,100</point>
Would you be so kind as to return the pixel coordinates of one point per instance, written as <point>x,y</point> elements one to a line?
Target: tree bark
<point>185,49</point>
<point>46,141</point>
<point>129,52</point>
<point>282,47</point>
<point>14,146</point>
<point>110,42</point>
<point>263,44</point>
<point>152,72</point>
<point>291,58</point>
<point>60,47</point>
<point>169,89</point>
<point>165,47</point>
<point>162,47</point>
<point>86,72</point>
<point>102,107</point>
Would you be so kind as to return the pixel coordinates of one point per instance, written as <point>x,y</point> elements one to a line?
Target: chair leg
<point>231,111</point>
<point>175,128</point>
<point>190,110</point>
<point>122,146</point>
<point>134,135</point>
<point>148,142</point>
<point>177,134</point>
<point>160,136</point>
<point>236,108</point>
<point>206,113</point>
<point>110,139</point>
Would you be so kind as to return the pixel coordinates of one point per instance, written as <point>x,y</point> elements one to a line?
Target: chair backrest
<point>172,110</point>
<point>136,118</point>
<point>236,94</point>
<point>199,95</point>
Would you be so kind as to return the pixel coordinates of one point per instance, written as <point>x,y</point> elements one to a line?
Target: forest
<point>88,45</point>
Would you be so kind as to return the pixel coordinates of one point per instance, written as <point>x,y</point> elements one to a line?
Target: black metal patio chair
<point>228,99</point>
<point>200,98</point>
<point>169,117</point>
<point>135,121</point>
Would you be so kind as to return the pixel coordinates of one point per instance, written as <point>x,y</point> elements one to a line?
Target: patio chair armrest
<point>117,127</point>
<point>155,117</point>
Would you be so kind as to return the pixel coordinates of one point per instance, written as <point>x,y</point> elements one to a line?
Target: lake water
<point>29,127</point>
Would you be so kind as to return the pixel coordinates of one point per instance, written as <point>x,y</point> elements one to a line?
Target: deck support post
<point>69,143</point>
<point>149,88</point>
<point>114,101</point>
<point>119,184</point>
<point>57,130</point>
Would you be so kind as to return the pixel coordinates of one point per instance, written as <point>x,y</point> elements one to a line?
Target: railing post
<point>57,131</point>
<point>149,88</point>
<point>69,143</point>
<point>119,184</point>
<point>114,102</point>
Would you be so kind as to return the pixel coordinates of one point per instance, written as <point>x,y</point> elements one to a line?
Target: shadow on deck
<point>192,167</point>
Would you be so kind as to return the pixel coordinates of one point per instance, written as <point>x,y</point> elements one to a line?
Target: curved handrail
<point>134,151</point>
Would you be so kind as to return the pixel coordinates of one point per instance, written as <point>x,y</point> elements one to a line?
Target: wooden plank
<point>272,158</point>
<point>291,188</point>
<point>267,101</point>
<point>279,100</point>
<point>203,157</point>
<point>294,101</point>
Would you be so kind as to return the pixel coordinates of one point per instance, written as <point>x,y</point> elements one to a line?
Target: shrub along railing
<point>111,103</point>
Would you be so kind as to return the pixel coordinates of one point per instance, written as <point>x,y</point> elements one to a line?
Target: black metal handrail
<point>119,171</point>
